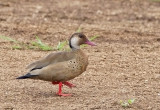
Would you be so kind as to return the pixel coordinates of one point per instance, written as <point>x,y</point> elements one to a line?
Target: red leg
<point>69,84</point>
<point>60,90</point>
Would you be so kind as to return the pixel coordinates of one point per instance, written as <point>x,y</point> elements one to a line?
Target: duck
<point>60,67</point>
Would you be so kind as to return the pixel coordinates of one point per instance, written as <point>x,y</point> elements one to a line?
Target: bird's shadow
<point>38,93</point>
<point>43,94</point>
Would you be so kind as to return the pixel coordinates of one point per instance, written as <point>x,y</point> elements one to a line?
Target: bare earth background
<point>124,65</point>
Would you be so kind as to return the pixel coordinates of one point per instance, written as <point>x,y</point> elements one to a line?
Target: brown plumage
<point>61,66</point>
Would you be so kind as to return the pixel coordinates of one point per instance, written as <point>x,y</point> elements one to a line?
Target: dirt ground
<point>124,64</point>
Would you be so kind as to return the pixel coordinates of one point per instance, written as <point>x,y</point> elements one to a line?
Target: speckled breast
<point>79,64</point>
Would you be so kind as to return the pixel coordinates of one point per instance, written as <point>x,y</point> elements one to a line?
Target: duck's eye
<point>80,36</point>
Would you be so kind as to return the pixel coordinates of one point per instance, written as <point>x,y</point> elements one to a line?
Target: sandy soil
<point>124,65</point>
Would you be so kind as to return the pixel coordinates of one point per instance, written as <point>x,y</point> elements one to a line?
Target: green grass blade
<point>79,29</point>
<point>16,47</point>
<point>131,101</point>
<point>39,41</point>
<point>124,104</point>
<point>8,39</point>
<point>34,43</point>
<point>46,48</point>
<point>61,45</point>
<point>93,38</point>
<point>39,44</point>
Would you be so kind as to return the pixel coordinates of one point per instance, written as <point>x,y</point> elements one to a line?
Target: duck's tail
<point>26,76</point>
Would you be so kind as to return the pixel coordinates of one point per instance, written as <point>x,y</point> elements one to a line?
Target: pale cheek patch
<point>74,42</point>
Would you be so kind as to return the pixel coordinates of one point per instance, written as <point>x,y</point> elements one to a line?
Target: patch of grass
<point>8,39</point>
<point>127,103</point>
<point>16,43</point>
<point>38,44</point>
<point>61,45</point>
<point>31,45</point>
<point>41,45</point>
<point>16,47</point>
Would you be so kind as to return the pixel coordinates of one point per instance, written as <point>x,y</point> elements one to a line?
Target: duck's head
<point>78,39</point>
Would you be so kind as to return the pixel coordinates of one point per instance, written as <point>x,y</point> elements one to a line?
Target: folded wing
<point>51,59</point>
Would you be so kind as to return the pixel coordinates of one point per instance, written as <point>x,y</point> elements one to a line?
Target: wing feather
<point>51,59</point>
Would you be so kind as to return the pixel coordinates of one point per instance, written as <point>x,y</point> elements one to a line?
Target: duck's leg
<point>60,90</point>
<point>69,84</point>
